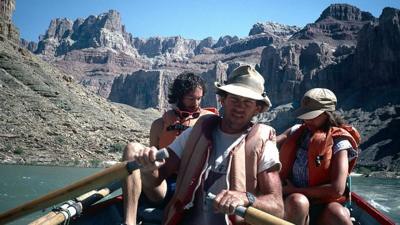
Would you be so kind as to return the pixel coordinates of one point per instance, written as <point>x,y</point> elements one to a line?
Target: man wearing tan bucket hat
<point>317,156</point>
<point>225,155</point>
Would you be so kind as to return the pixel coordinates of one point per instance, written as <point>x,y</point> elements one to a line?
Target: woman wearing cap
<point>317,156</point>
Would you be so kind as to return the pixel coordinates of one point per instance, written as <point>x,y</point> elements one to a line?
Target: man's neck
<point>227,127</point>
<point>182,108</point>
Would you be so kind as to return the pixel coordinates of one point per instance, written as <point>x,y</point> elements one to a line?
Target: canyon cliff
<point>345,49</point>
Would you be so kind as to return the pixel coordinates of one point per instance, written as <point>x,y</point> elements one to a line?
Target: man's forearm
<point>271,203</point>
<point>270,200</point>
<point>322,191</point>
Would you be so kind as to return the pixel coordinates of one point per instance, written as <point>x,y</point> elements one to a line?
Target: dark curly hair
<point>183,84</point>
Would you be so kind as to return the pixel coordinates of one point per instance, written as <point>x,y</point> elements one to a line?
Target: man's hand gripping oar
<point>100,179</point>
<point>254,216</point>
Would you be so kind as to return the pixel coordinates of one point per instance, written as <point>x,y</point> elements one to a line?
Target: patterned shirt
<point>300,168</point>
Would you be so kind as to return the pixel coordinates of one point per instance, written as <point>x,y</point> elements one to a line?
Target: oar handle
<point>255,216</point>
<point>160,155</point>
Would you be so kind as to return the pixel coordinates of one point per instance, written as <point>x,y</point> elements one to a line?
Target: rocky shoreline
<point>378,174</point>
<point>81,164</point>
<point>384,174</point>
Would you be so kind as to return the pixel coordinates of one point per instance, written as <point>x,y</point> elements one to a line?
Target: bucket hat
<point>246,82</point>
<point>315,102</point>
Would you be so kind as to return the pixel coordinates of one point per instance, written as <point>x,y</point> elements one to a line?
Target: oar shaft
<point>44,218</point>
<point>88,200</point>
<point>64,213</point>
<point>101,179</point>
<point>84,201</point>
<point>56,219</point>
<point>255,216</point>
<point>116,172</point>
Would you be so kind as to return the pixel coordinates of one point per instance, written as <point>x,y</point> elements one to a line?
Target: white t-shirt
<point>269,158</point>
<point>215,175</point>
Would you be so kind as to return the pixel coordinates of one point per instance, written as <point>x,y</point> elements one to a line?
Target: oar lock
<point>69,209</point>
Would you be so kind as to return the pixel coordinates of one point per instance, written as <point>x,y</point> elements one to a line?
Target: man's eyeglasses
<point>185,114</point>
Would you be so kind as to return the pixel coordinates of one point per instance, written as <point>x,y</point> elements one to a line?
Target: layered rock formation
<point>375,77</point>
<point>30,45</point>
<point>7,29</point>
<point>92,50</point>
<point>370,62</point>
<point>377,56</point>
<point>363,70</point>
<point>225,41</point>
<point>47,118</point>
<point>97,49</point>
<point>176,47</point>
<point>104,31</point>
<point>314,55</point>
<point>143,89</point>
<point>339,23</point>
<point>293,68</point>
<point>274,28</point>
<point>345,49</point>
<point>261,34</point>
<point>133,89</point>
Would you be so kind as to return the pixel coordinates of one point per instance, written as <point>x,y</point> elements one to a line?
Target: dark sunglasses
<point>178,127</point>
<point>185,114</point>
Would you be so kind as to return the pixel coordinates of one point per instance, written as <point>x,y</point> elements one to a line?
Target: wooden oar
<point>255,216</point>
<point>69,209</point>
<point>101,179</point>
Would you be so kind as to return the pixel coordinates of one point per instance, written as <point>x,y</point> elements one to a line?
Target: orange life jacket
<point>242,164</point>
<point>167,136</point>
<point>319,154</point>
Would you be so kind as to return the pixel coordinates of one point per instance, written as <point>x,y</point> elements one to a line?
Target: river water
<point>19,184</point>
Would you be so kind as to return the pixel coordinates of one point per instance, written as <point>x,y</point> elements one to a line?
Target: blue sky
<point>196,19</point>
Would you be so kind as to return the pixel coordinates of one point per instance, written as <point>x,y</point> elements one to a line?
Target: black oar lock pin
<point>318,160</point>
